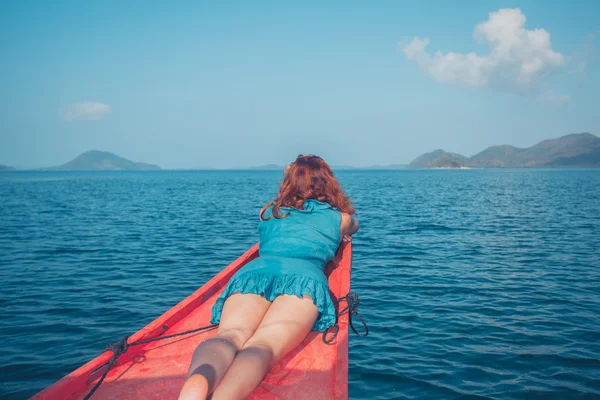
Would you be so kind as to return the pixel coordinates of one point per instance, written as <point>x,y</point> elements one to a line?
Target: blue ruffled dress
<point>293,253</point>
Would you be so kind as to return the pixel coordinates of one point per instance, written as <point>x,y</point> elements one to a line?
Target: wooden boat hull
<point>157,370</point>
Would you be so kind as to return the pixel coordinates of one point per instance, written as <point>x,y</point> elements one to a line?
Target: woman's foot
<point>195,388</point>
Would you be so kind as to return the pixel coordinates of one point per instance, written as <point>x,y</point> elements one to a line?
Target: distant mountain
<point>5,168</point>
<point>495,157</point>
<point>575,150</point>
<point>439,159</point>
<point>103,161</point>
<point>269,167</point>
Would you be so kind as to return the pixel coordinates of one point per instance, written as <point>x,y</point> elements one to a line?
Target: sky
<point>233,84</point>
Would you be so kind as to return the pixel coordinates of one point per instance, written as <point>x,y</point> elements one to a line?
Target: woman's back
<point>294,250</point>
<point>310,234</point>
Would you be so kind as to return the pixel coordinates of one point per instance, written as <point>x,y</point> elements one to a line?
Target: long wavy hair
<point>309,177</point>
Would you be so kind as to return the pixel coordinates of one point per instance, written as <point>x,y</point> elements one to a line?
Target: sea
<point>475,284</point>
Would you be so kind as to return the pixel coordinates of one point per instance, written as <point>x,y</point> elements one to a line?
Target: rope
<point>119,348</point>
<point>352,302</point>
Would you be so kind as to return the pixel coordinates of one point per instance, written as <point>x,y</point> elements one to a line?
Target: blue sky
<point>226,84</point>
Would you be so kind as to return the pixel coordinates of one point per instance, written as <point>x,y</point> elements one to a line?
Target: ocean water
<point>476,284</point>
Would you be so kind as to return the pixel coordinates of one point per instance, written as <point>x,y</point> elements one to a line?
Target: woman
<point>271,304</point>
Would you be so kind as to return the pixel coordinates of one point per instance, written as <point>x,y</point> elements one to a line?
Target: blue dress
<point>293,253</point>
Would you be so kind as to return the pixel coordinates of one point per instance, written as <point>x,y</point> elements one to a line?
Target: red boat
<point>157,370</point>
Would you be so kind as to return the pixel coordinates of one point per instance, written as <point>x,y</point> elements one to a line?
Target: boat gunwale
<point>92,370</point>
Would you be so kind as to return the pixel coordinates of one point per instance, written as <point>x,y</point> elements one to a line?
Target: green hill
<point>439,159</point>
<point>575,150</point>
<point>103,161</point>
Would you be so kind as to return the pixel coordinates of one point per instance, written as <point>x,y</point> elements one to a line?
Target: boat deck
<point>157,370</point>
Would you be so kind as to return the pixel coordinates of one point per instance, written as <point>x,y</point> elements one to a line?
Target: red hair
<point>309,177</point>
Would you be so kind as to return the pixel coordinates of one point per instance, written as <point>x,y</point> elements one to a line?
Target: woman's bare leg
<point>242,314</point>
<point>286,324</point>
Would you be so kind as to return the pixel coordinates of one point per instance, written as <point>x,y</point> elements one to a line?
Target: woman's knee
<point>235,336</point>
<point>262,349</point>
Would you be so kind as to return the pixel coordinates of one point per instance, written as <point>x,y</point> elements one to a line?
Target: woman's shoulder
<point>310,206</point>
<point>314,204</point>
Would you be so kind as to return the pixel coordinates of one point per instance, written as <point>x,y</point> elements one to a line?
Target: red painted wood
<point>157,370</point>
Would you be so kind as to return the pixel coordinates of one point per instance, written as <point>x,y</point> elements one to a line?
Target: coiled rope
<point>352,303</point>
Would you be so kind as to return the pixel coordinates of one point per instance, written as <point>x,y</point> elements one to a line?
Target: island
<point>577,150</point>
<point>439,159</point>
<point>95,160</point>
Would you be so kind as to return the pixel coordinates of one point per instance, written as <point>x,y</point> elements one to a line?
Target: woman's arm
<point>349,225</point>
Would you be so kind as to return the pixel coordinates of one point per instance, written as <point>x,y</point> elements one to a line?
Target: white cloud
<point>84,111</point>
<point>518,59</point>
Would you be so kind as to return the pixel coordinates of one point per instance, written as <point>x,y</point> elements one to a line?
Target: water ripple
<point>475,284</point>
